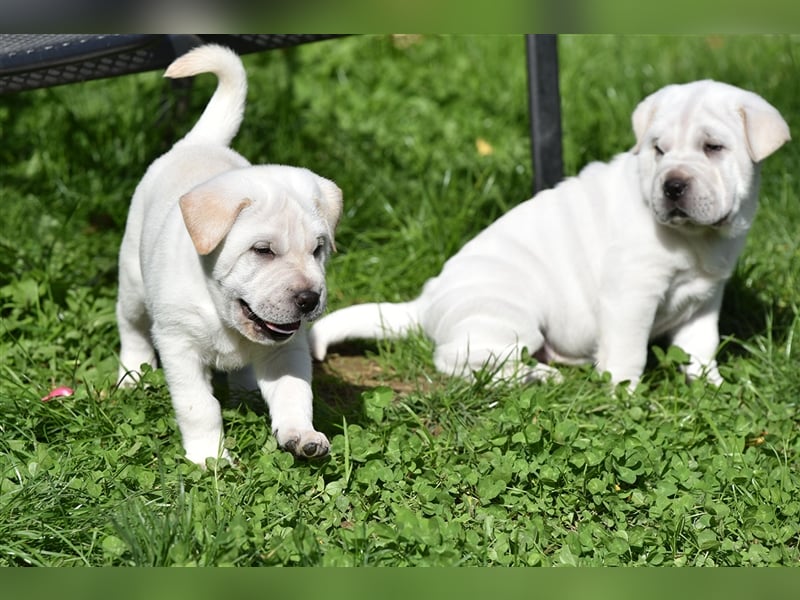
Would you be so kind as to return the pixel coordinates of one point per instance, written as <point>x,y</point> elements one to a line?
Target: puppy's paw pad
<point>312,449</point>
<point>304,444</point>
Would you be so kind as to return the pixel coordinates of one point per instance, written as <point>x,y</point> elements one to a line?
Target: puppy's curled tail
<point>374,321</point>
<point>221,119</point>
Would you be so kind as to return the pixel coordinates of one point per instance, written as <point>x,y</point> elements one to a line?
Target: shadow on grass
<point>746,316</point>
<point>340,382</point>
<point>349,371</point>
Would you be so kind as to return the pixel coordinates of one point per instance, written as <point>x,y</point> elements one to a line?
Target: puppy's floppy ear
<point>764,127</point>
<point>209,213</point>
<point>330,204</point>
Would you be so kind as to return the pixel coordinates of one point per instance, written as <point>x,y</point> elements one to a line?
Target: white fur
<point>594,268</point>
<point>206,231</point>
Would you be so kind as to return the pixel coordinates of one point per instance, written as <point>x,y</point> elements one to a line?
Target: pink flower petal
<point>58,392</point>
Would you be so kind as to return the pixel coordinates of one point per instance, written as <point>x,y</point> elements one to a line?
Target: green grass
<point>424,470</point>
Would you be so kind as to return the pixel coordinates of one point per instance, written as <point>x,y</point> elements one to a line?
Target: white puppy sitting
<point>594,268</point>
<point>220,266</point>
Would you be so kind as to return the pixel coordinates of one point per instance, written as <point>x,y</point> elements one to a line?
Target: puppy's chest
<point>226,352</point>
<point>685,295</point>
<point>228,361</point>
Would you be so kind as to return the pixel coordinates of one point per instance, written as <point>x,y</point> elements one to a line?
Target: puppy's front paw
<point>697,370</point>
<point>198,453</point>
<point>303,444</point>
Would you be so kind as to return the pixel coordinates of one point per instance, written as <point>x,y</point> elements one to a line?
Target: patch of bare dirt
<point>363,372</point>
<point>350,371</point>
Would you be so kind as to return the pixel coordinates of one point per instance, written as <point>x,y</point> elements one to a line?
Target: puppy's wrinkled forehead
<point>284,188</point>
<point>685,109</point>
<point>317,195</point>
<point>284,215</point>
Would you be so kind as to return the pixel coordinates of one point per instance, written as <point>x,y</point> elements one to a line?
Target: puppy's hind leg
<point>470,353</point>
<point>540,373</point>
<point>136,349</point>
<point>136,345</point>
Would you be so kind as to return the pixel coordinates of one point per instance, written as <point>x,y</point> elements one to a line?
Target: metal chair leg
<point>544,103</point>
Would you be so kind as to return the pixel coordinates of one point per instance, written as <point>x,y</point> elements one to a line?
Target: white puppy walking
<point>221,265</point>
<point>594,268</point>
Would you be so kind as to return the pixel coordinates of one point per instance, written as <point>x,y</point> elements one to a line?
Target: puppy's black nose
<point>675,188</point>
<point>306,300</point>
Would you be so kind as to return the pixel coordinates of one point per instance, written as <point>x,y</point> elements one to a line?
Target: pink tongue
<point>288,328</point>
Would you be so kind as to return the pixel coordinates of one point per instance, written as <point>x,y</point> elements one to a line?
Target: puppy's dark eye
<point>659,151</point>
<point>711,148</point>
<point>319,251</point>
<point>263,250</point>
